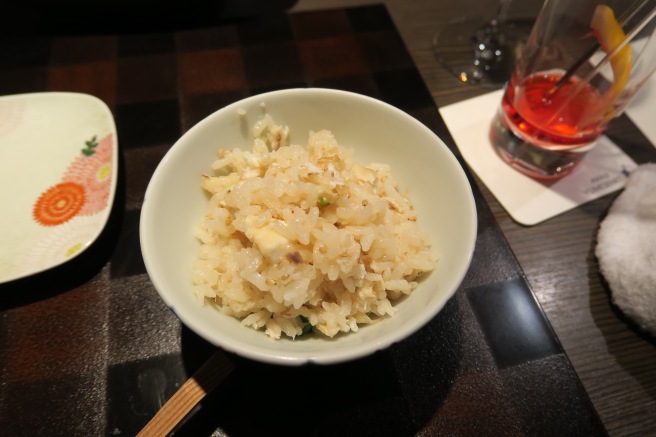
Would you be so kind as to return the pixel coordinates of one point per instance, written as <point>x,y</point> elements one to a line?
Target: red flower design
<point>59,204</point>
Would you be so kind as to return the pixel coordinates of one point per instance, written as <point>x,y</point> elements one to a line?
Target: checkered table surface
<point>90,349</point>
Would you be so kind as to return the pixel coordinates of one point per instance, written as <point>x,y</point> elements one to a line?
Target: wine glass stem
<point>503,10</point>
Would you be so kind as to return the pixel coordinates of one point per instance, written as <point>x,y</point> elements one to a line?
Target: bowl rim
<point>333,355</point>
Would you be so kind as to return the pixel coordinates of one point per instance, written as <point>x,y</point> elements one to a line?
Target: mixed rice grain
<point>299,239</point>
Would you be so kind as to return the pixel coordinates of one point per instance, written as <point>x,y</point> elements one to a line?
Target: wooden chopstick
<point>206,378</point>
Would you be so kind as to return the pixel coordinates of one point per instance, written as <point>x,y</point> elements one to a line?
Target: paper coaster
<point>641,110</point>
<point>603,170</point>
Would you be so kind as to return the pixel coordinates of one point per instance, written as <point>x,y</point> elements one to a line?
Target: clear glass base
<point>533,161</point>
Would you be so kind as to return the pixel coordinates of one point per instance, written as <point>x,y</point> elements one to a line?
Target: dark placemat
<point>90,349</point>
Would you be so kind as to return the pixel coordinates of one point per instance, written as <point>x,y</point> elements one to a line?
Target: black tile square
<point>368,18</point>
<point>384,50</point>
<point>272,64</point>
<point>207,38</point>
<point>24,80</point>
<point>262,29</point>
<point>67,406</point>
<point>148,123</point>
<point>144,78</point>
<point>137,390</point>
<point>95,78</point>
<point>134,302</point>
<point>321,397</point>
<point>197,107</point>
<point>126,259</point>
<point>22,52</point>
<point>427,362</point>
<point>548,399</point>
<point>493,259</point>
<point>361,84</point>
<point>328,58</point>
<point>265,89</point>
<point>146,44</point>
<point>319,24</point>
<point>139,165</point>
<point>75,50</point>
<point>211,71</point>
<point>404,89</point>
<point>476,406</point>
<point>513,323</point>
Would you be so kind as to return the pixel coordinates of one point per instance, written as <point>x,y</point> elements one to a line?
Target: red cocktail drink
<point>543,130</point>
<point>581,66</point>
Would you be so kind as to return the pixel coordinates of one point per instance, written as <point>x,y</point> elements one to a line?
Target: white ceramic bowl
<point>420,162</point>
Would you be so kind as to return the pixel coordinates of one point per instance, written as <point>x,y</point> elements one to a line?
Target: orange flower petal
<point>59,204</point>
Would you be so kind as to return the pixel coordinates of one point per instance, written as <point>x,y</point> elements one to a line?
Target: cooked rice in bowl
<point>427,172</point>
<point>299,239</point>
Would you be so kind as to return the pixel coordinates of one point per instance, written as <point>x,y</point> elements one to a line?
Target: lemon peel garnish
<point>610,35</point>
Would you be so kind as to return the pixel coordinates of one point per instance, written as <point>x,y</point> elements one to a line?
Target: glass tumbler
<point>582,64</point>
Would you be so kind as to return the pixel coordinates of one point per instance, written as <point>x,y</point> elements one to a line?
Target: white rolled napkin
<point>626,248</point>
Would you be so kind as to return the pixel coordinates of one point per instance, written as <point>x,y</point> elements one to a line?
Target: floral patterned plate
<point>58,167</point>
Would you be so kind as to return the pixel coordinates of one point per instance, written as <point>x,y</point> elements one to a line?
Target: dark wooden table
<point>90,349</point>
